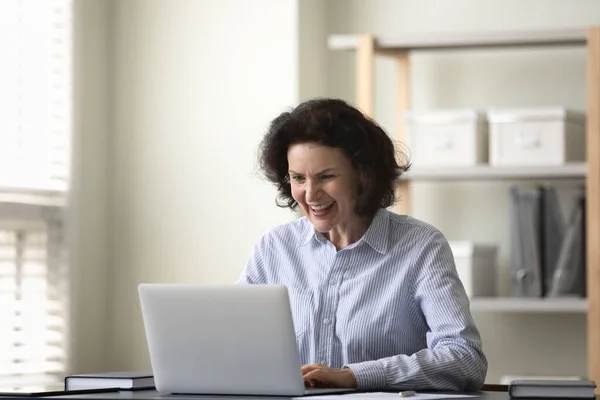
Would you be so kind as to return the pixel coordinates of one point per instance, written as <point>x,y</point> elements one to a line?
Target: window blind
<point>35,133</point>
<point>35,95</point>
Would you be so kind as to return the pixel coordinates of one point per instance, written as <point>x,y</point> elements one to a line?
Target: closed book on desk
<point>121,380</point>
<point>551,389</point>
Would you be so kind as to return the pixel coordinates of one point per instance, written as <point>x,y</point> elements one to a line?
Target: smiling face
<point>324,183</point>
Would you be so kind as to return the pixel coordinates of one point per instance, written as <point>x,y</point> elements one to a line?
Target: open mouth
<point>320,209</point>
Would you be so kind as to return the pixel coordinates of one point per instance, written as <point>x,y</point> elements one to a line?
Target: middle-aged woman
<point>376,299</point>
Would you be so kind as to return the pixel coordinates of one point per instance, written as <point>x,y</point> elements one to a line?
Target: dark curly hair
<point>334,123</point>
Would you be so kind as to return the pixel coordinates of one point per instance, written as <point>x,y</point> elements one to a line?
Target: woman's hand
<point>318,376</point>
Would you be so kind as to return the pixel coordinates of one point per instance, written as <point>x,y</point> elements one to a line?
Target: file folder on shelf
<point>525,268</point>
<point>547,252</point>
<point>569,277</point>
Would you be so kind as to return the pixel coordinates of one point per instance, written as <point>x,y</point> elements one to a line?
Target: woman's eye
<point>327,177</point>
<point>298,178</point>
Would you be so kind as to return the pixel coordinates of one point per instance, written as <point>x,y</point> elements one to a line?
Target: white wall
<point>195,84</point>
<point>88,212</point>
<point>312,43</point>
<point>543,344</point>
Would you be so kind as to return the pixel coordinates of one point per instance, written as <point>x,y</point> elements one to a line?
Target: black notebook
<point>121,380</point>
<point>548,389</point>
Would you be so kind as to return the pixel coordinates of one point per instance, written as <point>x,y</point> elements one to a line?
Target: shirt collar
<point>309,232</point>
<point>376,236</point>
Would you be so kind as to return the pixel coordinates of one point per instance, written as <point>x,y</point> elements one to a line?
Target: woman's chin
<point>321,225</point>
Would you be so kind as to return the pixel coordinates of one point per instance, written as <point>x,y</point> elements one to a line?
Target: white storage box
<point>536,136</point>
<point>446,137</point>
<point>476,267</point>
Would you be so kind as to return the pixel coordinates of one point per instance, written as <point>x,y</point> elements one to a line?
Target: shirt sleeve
<point>254,272</point>
<point>453,359</point>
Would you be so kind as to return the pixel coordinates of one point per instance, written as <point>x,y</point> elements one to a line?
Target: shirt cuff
<point>369,375</point>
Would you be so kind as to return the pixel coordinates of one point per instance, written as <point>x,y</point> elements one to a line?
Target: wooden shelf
<point>487,172</point>
<point>529,305</point>
<point>563,37</point>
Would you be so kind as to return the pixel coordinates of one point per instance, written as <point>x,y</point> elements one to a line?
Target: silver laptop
<point>222,340</point>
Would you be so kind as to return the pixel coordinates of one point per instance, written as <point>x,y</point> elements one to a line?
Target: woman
<point>376,299</point>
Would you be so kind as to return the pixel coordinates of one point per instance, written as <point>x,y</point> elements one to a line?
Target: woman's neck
<point>344,235</point>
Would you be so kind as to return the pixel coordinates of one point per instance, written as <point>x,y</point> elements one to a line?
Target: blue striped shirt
<point>390,306</point>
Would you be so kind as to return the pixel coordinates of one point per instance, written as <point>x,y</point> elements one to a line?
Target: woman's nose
<point>312,192</point>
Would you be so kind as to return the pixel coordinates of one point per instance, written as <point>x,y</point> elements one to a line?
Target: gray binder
<point>569,277</point>
<point>525,268</point>
<point>552,231</point>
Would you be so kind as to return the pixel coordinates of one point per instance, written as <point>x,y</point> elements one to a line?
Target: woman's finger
<point>318,378</point>
<point>310,367</point>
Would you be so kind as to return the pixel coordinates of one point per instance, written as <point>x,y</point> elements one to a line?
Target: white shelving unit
<point>399,49</point>
<point>486,172</point>
<point>526,305</point>
<point>564,37</point>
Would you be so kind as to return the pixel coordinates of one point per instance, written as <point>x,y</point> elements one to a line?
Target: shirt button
<point>332,282</point>
<point>326,321</point>
<point>324,363</point>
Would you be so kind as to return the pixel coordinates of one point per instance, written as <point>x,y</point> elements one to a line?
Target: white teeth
<point>322,207</point>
